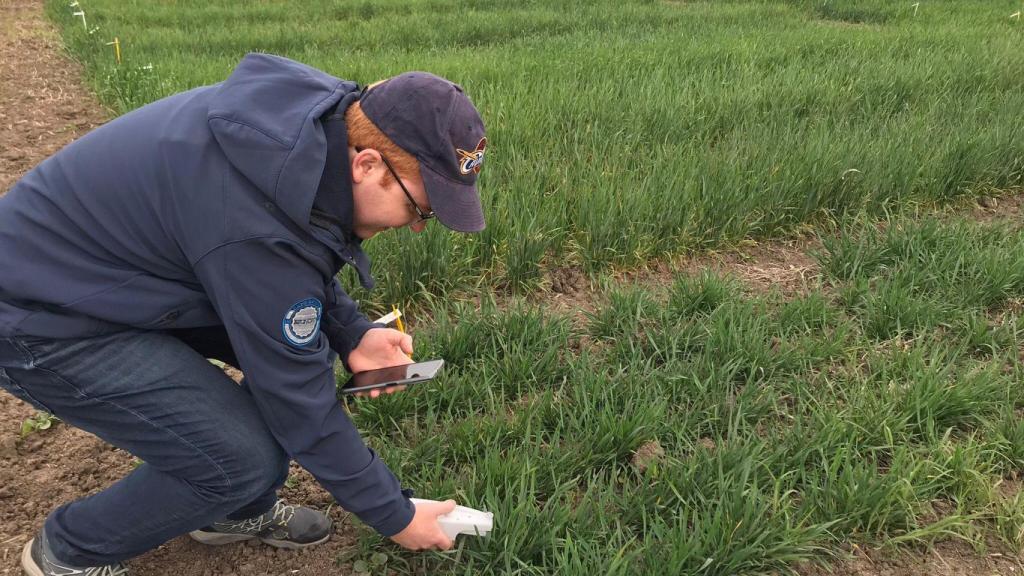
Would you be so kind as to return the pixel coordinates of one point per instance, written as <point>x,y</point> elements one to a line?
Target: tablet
<point>393,376</point>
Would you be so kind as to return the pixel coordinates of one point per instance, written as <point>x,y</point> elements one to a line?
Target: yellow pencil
<point>398,321</point>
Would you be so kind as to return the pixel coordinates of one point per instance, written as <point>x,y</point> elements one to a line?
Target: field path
<point>44,103</point>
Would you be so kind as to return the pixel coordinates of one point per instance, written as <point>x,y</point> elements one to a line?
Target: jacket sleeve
<point>270,294</point>
<point>343,323</point>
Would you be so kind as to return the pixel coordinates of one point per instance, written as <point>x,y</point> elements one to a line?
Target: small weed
<point>39,421</point>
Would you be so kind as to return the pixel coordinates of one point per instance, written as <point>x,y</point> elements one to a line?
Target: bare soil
<point>948,558</point>
<point>44,105</point>
<point>43,102</point>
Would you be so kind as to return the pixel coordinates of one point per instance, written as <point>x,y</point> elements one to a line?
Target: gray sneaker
<point>37,560</point>
<point>283,526</point>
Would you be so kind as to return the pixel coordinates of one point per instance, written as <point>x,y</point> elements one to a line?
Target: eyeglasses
<point>419,212</point>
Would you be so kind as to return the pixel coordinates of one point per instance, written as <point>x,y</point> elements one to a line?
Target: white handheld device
<point>463,520</point>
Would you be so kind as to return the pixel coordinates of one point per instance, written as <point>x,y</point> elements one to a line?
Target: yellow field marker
<point>117,49</point>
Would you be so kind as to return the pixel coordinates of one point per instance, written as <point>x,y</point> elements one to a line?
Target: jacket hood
<point>266,119</point>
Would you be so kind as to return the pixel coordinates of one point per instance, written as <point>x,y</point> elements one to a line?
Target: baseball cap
<point>433,119</point>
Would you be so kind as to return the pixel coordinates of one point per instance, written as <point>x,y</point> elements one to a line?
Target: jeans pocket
<point>8,383</point>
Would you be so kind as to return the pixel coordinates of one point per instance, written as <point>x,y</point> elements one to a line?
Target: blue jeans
<point>206,450</point>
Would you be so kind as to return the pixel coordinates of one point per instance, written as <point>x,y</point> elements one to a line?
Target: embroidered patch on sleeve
<point>302,322</point>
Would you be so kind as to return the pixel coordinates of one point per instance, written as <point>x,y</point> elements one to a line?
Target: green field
<point>881,407</point>
<point>620,131</point>
<point>788,425</point>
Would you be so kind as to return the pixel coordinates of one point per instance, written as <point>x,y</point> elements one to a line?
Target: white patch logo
<point>302,322</point>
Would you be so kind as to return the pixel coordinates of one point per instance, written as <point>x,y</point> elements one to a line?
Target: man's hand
<point>424,533</point>
<point>381,348</point>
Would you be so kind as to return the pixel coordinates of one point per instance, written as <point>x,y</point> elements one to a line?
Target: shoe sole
<point>28,565</point>
<point>217,539</point>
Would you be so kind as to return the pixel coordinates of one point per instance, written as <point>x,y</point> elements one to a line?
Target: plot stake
<point>117,49</point>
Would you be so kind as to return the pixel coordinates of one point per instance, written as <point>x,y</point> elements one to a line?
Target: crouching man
<point>211,224</point>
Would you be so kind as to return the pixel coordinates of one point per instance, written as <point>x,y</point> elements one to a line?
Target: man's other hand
<point>424,533</point>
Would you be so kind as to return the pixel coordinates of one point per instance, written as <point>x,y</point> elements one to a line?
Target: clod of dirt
<point>234,373</point>
<point>566,280</point>
<point>649,453</point>
<point>988,202</point>
<point>707,444</point>
<point>32,443</point>
<point>8,447</point>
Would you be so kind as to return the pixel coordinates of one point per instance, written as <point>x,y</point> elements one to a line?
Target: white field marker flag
<point>389,317</point>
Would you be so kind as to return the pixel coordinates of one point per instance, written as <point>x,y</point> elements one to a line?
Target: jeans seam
<point>26,355</point>
<point>28,360</point>
<point>81,394</point>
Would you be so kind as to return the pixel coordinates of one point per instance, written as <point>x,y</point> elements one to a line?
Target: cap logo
<point>471,161</point>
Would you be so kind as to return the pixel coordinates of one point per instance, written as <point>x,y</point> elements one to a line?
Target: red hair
<point>362,133</point>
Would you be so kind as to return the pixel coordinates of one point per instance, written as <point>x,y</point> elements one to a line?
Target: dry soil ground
<point>43,106</point>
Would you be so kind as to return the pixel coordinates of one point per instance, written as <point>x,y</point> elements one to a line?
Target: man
<point>211,224</point>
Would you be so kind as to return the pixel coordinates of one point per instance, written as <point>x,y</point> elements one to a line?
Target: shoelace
<point>280,515</point>
<point>112,570</point>
<point>49,566</point>
<point>283,512</point>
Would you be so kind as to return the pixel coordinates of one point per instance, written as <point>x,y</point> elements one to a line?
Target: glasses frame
<point>424,216</point>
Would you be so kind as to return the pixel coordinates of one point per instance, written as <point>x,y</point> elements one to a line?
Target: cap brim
<point>456,205</point>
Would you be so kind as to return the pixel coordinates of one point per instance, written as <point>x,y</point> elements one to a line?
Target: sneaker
<point>37,560</point>
<point>283,526</point>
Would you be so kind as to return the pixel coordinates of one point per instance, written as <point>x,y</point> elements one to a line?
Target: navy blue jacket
<point>224,205</point>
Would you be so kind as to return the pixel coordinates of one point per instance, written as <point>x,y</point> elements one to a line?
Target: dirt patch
<point>846,24</point>
<point>648,454</point>
<point>948,558</point>
<point>999,208</point>
<point>567,280</point>
<point>783,266</point>
<point>43,104</point>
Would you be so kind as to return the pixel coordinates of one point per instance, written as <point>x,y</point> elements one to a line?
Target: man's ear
<point>365,164</point>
